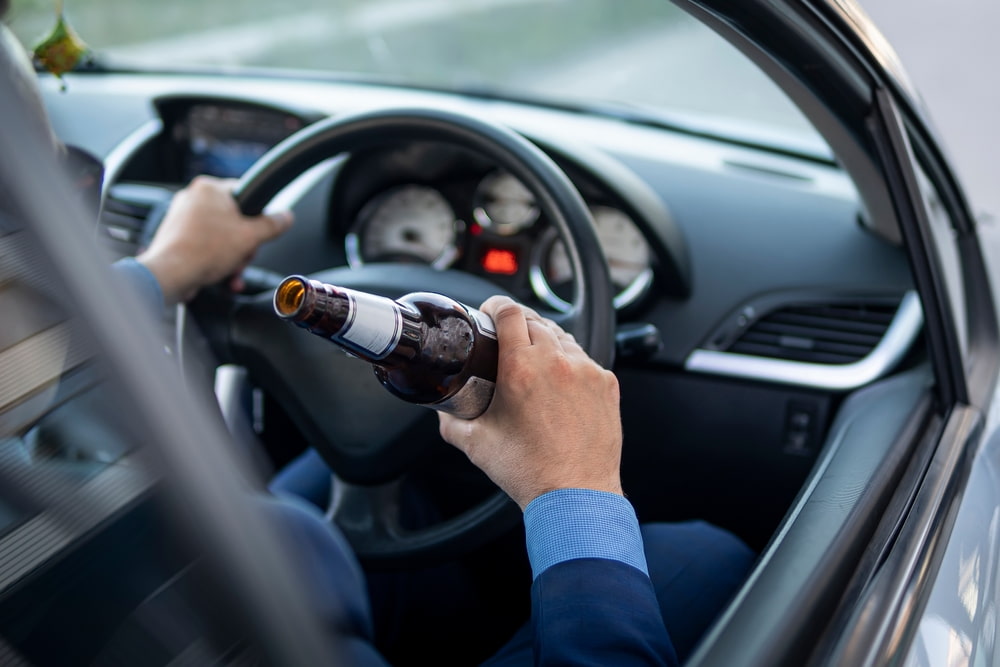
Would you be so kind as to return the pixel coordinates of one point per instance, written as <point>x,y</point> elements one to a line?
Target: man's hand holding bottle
<point>554,421</point>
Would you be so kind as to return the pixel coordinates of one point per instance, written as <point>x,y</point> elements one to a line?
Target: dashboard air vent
<point>127,207</point>
<point>837,345</point>
<point>840,333</point>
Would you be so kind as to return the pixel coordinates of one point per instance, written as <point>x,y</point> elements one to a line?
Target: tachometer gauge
<point>624,247</point>
<point>503,204</point>
<point>410,223</point>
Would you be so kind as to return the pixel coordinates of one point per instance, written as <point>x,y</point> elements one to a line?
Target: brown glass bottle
<point>426,348</point>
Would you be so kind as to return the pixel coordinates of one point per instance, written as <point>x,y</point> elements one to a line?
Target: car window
<point>644,56</point>
<point>945,247</point>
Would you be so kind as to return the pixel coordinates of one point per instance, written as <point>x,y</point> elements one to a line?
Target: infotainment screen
<point>224,140</point>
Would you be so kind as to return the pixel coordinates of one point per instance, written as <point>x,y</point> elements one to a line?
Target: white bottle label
<point>374,324</point>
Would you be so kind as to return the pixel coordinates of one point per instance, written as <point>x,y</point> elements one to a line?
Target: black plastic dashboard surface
<point>220,137</point>
<point>754,223</point>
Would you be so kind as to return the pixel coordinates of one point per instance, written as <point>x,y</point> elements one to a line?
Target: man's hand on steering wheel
<point>204,238</point>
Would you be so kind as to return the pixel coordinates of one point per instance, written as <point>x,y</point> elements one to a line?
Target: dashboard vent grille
<point>127,208</point>
<point>839,333</point>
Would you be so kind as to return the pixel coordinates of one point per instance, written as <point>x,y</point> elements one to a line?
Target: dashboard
<point>220,139</point>
<point>430,204</point>
<point>703,238</point>
<point>750,299</point>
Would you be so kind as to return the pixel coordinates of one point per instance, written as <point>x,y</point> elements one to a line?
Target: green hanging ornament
<point>62,49</point>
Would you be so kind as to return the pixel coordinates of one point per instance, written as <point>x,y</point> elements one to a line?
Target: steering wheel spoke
<point>367,515</point>
<point>370,518</point>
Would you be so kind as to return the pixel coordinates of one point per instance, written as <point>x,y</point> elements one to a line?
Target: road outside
<point>952,54</point>
<point>642,52</point>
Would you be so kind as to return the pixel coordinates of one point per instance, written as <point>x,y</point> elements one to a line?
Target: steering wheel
<point>369,437</point>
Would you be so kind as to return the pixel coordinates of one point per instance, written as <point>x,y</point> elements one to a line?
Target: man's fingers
<point>272,225</point>
<point>541,334</point>
<point>454,430</point>
<point>510,321</point>
<point>565,339</point>
<point>236,282</point>
<point>568,341</point>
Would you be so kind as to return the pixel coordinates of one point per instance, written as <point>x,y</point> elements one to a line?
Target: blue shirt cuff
<point>567,524</point>
<point>142,280</point>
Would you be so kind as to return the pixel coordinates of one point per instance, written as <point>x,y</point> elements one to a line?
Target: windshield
<point>643,55</point>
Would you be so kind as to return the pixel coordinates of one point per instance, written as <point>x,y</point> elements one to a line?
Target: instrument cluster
<point>499,232</point>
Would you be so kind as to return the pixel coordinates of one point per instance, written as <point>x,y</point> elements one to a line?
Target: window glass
<point>647,57</point>
<point>946,248</point>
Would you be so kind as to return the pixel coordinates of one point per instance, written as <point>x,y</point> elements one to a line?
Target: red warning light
<point>498,260</point>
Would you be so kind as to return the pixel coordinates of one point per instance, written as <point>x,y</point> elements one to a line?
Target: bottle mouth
<point>289,296</point>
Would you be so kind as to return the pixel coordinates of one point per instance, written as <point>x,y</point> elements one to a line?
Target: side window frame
<point>965,369</point>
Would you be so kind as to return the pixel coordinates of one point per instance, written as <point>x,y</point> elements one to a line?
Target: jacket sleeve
<point>592,600</point>
<point>142,281</point>
<point>335,585</point>
<point>594,611</point>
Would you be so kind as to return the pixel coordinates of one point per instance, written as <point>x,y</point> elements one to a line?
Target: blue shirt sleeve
<point>142,280</point>
<point>567,524</point>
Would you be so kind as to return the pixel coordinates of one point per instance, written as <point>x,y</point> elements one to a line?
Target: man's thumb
<point>272,225</point>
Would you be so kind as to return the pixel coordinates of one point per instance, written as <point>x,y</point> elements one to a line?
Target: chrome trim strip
<point>290,195</point>
<point>536,278</point>
<point>891,349</point>
<point>230,385</point>
<point>118,157</point>
<point>638,287</point>
<point>231,389</point>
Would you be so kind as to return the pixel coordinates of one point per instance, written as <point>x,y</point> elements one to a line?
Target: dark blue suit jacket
<point>597,612</point>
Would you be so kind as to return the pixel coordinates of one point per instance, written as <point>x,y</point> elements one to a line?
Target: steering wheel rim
<point>365,504</point>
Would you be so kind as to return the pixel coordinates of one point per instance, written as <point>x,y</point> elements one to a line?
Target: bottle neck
<point>373,327</point>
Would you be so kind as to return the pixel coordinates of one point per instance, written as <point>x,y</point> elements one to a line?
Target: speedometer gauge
<point>624,246</point>
<point>625,250</point>
<point>410,223</point>
<point>503,204</point>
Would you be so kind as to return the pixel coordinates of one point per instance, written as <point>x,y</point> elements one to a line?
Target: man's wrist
<point>614,487</point>
<point>160,270</point>
<point>142,279</point>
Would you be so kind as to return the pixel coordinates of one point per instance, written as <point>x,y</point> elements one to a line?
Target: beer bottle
<point>425,348</point>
